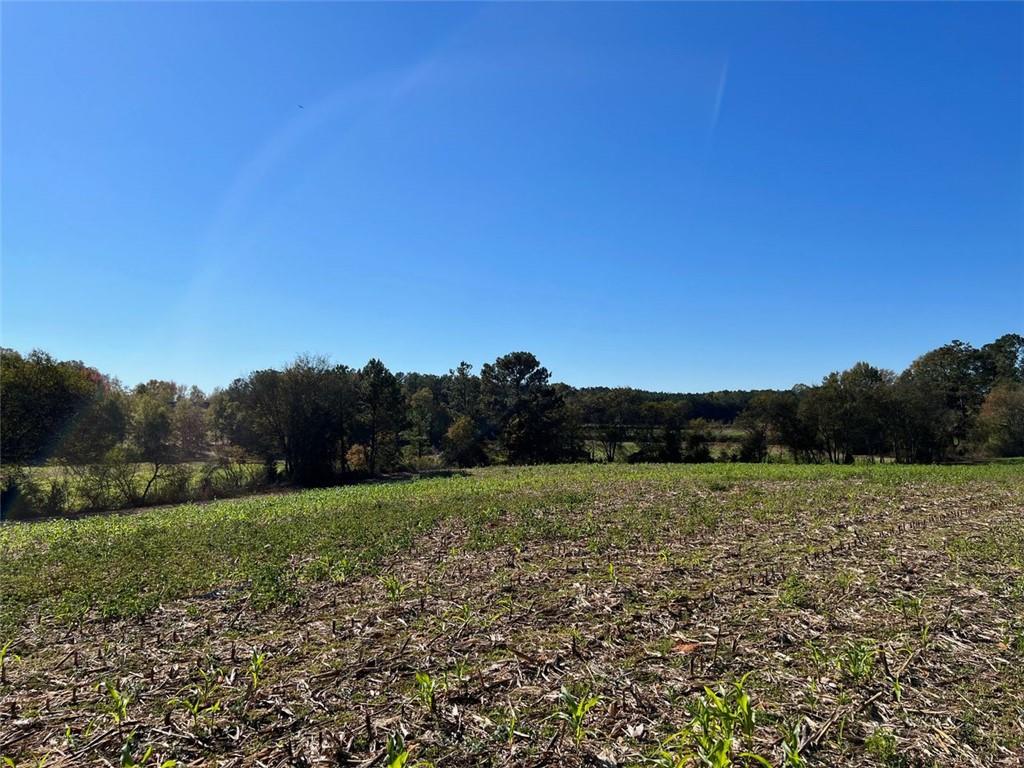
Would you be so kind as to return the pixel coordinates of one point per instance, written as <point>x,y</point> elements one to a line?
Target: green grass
<point>660,615</point>
<point>126,565</point>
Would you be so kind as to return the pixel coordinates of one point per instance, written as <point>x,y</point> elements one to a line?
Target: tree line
<point>314,422</point>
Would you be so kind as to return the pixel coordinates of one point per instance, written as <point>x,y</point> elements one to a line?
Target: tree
<point>99,425</point>
<point>188,423</point>
<point>569,428</point>
<point>311,414</point>
<point>46,402</point>
<point>522,408</point>
<point>754,443</point>
<point>150,447</point>
<point>53,410</point>
<point>785,422</point>
<point>314,424</point>
<point>151,429</point>
<point>1001,420</point>
<point>462,390</point>
<point>235,417</point>
<point>421,418</point>
<point>299,414</point>
<point>382,411</point>
<point>826,407</point>
<point>462,444</point>
<point>947,386</point>
<point>609,414</point>
<point>345,393</point>
<point>1003,359</point>
<point>697,446</point>
<point>920,422</point>
<point>867,392</point>
<point>851,412</point>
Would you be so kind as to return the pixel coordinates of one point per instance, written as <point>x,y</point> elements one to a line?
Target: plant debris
<point>814,619</point>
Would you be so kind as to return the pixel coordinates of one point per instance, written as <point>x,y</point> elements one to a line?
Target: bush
<point>25,496</point>
<point>463,446</point>
<point>173,485</point>
<point>425,463</point>
<point>231,475</point>
<point>356,459</point>
<point>754,446</point>
<point>94,484</point>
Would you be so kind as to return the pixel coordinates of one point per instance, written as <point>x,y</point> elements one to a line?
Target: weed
<point>4,653</point>
<point>882,745</point>
<point>128,759</point>
<point>897,690</point>
<point>844,580</point>
<point>818,656</point>
<point>393,587</point>
<point>573,709</point>
<point>507,730</point>
<point>426,691</point>
<point>717,719</point>
<point>273,585</point>
<point>794,592</point>
<point>256,663</point>
<point>40,763</point>
<point>397,754</point>
<point>199,699</point>
<point>791,756</point>
<point>1016,641</point>
<point>328,568</point>
<point>479,611</point>
<point>117,703</point>
<point>857,661</point>
<point>190,549</point>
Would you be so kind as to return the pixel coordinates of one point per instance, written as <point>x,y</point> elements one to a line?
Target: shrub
<point>462,444</point>
<point>356,458</point>
<point>94,484</point>
<point>25,496</point>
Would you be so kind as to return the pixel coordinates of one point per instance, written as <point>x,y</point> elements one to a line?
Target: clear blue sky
<point>670,196</point>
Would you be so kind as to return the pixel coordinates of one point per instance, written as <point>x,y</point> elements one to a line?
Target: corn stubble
<point>563,616</point>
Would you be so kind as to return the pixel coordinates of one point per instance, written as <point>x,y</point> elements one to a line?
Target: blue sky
<point>672,196</point>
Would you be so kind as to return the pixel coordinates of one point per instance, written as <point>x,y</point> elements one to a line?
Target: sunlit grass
<point>127,564</point>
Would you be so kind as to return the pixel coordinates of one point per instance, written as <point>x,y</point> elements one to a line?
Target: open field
<point>549,616</point>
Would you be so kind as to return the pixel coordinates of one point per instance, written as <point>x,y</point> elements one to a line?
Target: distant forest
<point>315,423</point>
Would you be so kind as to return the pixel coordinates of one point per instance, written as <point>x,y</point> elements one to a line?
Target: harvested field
<point>550,616</point>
